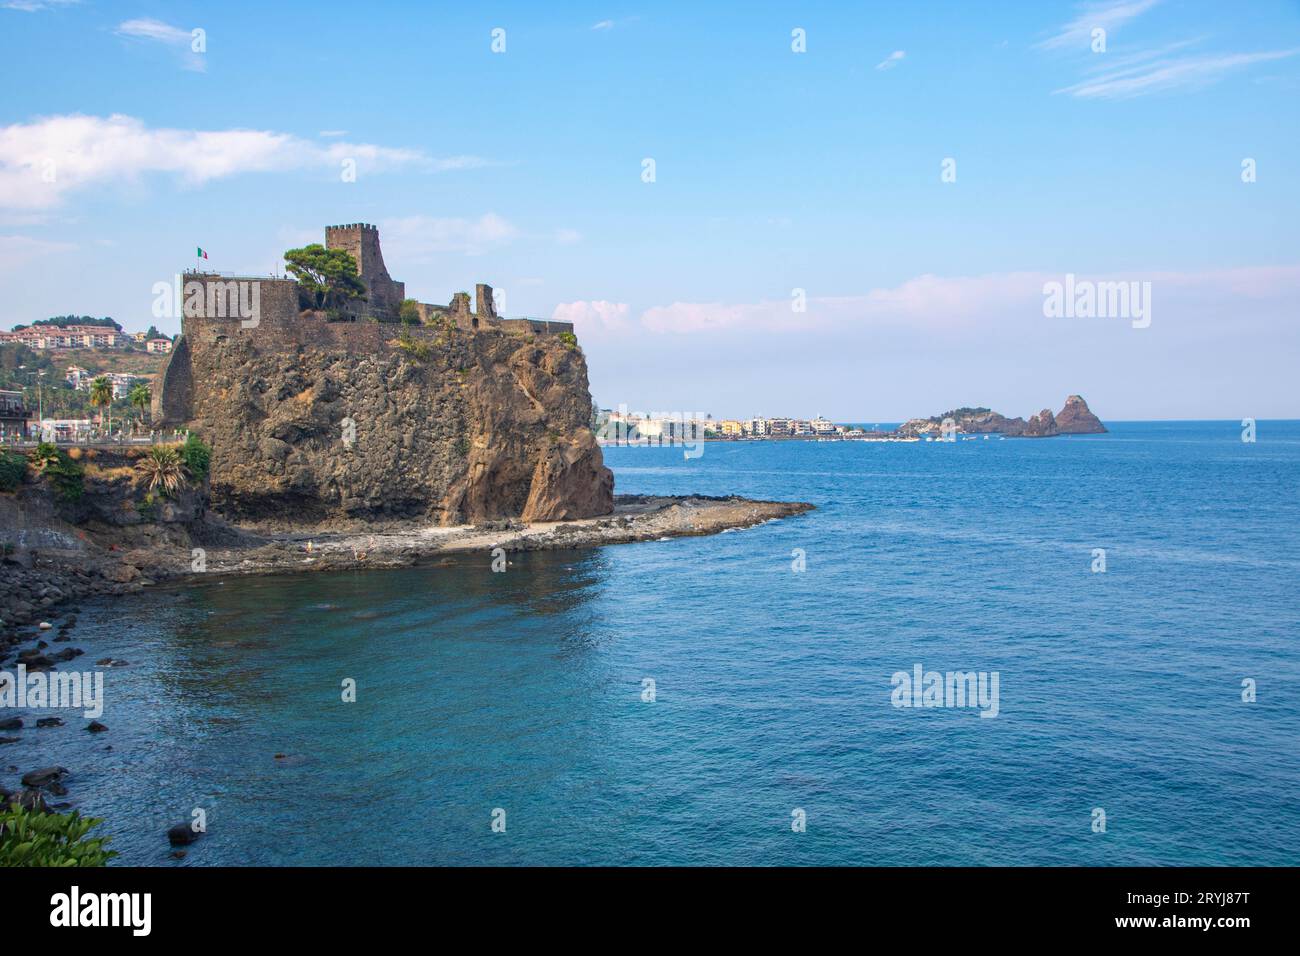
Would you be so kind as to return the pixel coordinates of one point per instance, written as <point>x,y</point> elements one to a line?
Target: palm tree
<point>163,469</point>
<point>101,394</point>
<point>140,397</point>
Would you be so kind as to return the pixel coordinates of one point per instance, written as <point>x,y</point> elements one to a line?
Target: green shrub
<point>64,474</point>
<point>12,469</point>
<point>417,350</point>
<point>197,457</point>
<point>45,454</point>
<point>31,838</point>
<point>568,340</point>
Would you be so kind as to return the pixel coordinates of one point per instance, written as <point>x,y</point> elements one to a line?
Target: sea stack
<point>1077,419</point>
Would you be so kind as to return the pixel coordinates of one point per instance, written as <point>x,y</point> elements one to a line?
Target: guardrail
<point>100,441</point>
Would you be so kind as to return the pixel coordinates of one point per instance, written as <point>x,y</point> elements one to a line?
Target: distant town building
<point>77,377</point>
<point>732,427</point>
<point>72,337</point>
<point>159,346</point>
<point>13,415</point>
<point>63,429</point>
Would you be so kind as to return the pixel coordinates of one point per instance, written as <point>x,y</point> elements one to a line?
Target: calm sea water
<point>522,691</point>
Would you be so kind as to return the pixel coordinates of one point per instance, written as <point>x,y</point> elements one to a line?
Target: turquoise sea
<point>522,692</point>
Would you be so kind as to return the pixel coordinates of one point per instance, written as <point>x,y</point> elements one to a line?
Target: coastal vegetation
<point>101,396</point>
<point>12,469</point>
<point>66,476</point>
<point>327,278</point>
<point>36,838</point>
<point>415,349</point>
<point>409,313</point>
<point>140,396</point>
<point>163,470</point>
<point>196,456</point>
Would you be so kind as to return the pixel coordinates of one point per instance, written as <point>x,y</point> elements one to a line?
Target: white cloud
<point>148,29</point>
<point>594,316</point>
<point>1077,34</point>
<point>48,159</point>
<point>418,238</point>
<point>176,38</point>
<point>332,133</point>
<point>891,61</point>
<point>930,304</point>
<point>603,25</point>
<point>33,6</point>
<point>1161,74</point>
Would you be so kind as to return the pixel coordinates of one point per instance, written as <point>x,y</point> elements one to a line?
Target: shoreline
<point>45,583</point>
<point>635,518</point>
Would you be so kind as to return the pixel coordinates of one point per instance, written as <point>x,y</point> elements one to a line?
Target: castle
<point>385,295</point>
<point>219,310</point>
<point>210,296</point>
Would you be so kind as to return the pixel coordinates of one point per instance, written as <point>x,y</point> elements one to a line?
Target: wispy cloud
<point>45,161</point>
<point>1162,74</point>
<point>34,6</point>
<point>1108,16</point>
<point>891,61</point>
<point>175,38</point>
<point>603,25</point>
<point>998,303</point>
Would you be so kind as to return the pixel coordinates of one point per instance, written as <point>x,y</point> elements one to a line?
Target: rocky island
<point>1075,418</point>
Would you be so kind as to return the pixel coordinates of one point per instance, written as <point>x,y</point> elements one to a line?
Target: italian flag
<point>200,253</point>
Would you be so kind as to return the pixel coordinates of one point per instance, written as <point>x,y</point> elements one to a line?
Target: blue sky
<point>774,171</point>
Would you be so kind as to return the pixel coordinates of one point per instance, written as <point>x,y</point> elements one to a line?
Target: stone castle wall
<point>361,240</point>
<point>280,327</point>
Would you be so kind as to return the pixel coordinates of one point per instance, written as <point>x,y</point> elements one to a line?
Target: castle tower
<point>361,240</point>
<point>484,307</point>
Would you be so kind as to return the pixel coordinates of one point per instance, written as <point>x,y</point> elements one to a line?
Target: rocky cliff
<point>341,424</point>
<point>1077,419</point>
<point>1074,419</point>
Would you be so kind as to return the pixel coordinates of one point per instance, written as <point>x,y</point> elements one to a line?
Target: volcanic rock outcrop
<point>344,424</point>
<point>1077,419</point>
<point>1074,419</point>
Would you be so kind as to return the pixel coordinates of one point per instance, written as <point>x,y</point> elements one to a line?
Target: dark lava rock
<point>44,776</point>
<point>109,662</point>
<point>181,835</point>
<point>9,740</point>
<point>11,723</point>
<point>95,727</point>
<point>50,722</point>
